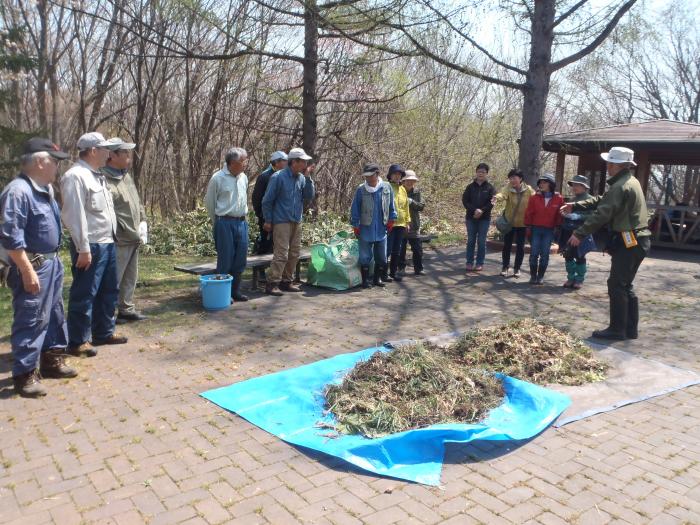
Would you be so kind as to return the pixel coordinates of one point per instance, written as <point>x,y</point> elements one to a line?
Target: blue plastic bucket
<point>216,291</point>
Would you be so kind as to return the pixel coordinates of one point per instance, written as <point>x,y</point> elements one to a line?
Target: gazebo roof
<point>662,138</point>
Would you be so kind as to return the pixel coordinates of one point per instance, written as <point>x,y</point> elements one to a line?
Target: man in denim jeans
<point>372,215</point>
<point>477,199</point>
<point>88,214</point>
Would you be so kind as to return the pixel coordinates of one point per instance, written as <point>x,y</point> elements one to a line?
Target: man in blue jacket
<point>283,209</point>
<point>372,215</point>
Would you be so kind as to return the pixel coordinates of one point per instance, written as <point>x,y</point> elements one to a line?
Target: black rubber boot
<point>236,294</point>
<point>393,270</point>
<point>377,278</point>
<point>617,331</point>
<point>633,318</point>
<point>533,274</point>
<point>364,271</point>
<point>385,274</point>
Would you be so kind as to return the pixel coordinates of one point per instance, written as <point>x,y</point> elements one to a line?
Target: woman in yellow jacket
<point>398,232</point>
<point>516,195</point>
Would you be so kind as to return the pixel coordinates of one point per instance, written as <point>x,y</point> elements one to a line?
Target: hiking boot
<point>53,365</point>
<point>29,384</point>
<point>131,317</point>
<point>111,340</point>
<point>273,289</point>
<point>289,287</point>
<point>236,294</point>
<point>85,349</point>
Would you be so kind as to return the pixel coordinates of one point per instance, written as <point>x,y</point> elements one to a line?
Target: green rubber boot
<point>580,272</point>
<point>571,270</point>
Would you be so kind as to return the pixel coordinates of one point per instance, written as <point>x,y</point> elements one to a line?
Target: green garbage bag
<point>335,265</point>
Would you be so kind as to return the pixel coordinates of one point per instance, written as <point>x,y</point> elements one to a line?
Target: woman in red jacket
<point>542,217</point>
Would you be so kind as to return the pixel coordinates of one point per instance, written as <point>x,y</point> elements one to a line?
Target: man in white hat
<point>283,210</point>
<point>88,214</point>
<point>132,230</point>
<point>623,209</point>
<point>278,161</point>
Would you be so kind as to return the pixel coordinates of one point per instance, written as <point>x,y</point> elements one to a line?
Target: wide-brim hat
<point>410,175</point>
<point>619,155</point>
<point>580,179</point>
<point>396,168</point>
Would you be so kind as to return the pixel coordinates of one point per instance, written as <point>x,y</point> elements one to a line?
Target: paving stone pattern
<point>130,441</point>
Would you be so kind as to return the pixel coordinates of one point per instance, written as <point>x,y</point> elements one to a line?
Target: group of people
<point>102,212</point>
<point>537,214</point>
<point>528,213</point>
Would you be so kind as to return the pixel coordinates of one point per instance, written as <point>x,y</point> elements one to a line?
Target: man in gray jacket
<point>132,230</point>
<point>88,214</point>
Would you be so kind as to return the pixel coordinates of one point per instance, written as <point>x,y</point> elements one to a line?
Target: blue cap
<point>278,155</point>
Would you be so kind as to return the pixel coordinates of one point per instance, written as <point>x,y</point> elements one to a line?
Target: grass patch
<point>411,387</point>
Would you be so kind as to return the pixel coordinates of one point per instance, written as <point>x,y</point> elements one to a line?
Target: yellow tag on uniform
<point>629,238</point>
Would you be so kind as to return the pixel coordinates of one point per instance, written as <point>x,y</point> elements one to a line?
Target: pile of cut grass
<point>410,387</point>
<point>421,384</point>
<point>532,351</point>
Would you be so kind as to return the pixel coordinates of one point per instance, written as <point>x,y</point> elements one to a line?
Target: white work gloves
<point>143,232</point>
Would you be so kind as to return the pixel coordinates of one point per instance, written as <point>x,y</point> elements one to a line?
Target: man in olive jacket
<point>131,225</point>
<point>623,209</point>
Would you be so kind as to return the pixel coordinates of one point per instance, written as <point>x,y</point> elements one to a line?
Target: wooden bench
<point>260,262</point>
<point>254,262</point>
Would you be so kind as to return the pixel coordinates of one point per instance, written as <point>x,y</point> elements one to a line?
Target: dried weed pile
<point>422,384</point>
<point>532,351</point>
<point>411,387</point>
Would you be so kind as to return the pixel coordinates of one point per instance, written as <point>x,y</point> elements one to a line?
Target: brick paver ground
<point>131,442</point>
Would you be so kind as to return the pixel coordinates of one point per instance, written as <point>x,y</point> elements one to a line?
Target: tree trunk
<point>42,66</point>
<point>309,104</point>
<point>536,90</point>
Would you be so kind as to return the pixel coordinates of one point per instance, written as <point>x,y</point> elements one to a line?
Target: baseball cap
<point>92,140</point>
<point>116,144</point>
<point>40,144</point>
<point>370,169</point>
<point>298,153</point>
<point>278,155</point>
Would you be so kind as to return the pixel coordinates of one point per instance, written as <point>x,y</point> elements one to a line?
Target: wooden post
<point>559,175</point>
<point>643,170</point>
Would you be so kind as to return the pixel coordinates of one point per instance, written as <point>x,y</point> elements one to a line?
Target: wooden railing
<point>676,226</point>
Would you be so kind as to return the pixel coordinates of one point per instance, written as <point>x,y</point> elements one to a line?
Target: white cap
<point>619,155</point>
<point>92,140</point>
<point>410,175</point>
<point>278,155</point>
<point>298,153</point>
<point>116,144</point>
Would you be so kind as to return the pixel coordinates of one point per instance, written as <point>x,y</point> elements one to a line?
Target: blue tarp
<point>290,405</point>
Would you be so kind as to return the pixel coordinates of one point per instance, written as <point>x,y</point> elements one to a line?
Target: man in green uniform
<point>623,209</point>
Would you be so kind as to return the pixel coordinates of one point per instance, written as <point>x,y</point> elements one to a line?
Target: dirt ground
<point>130,440</point>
